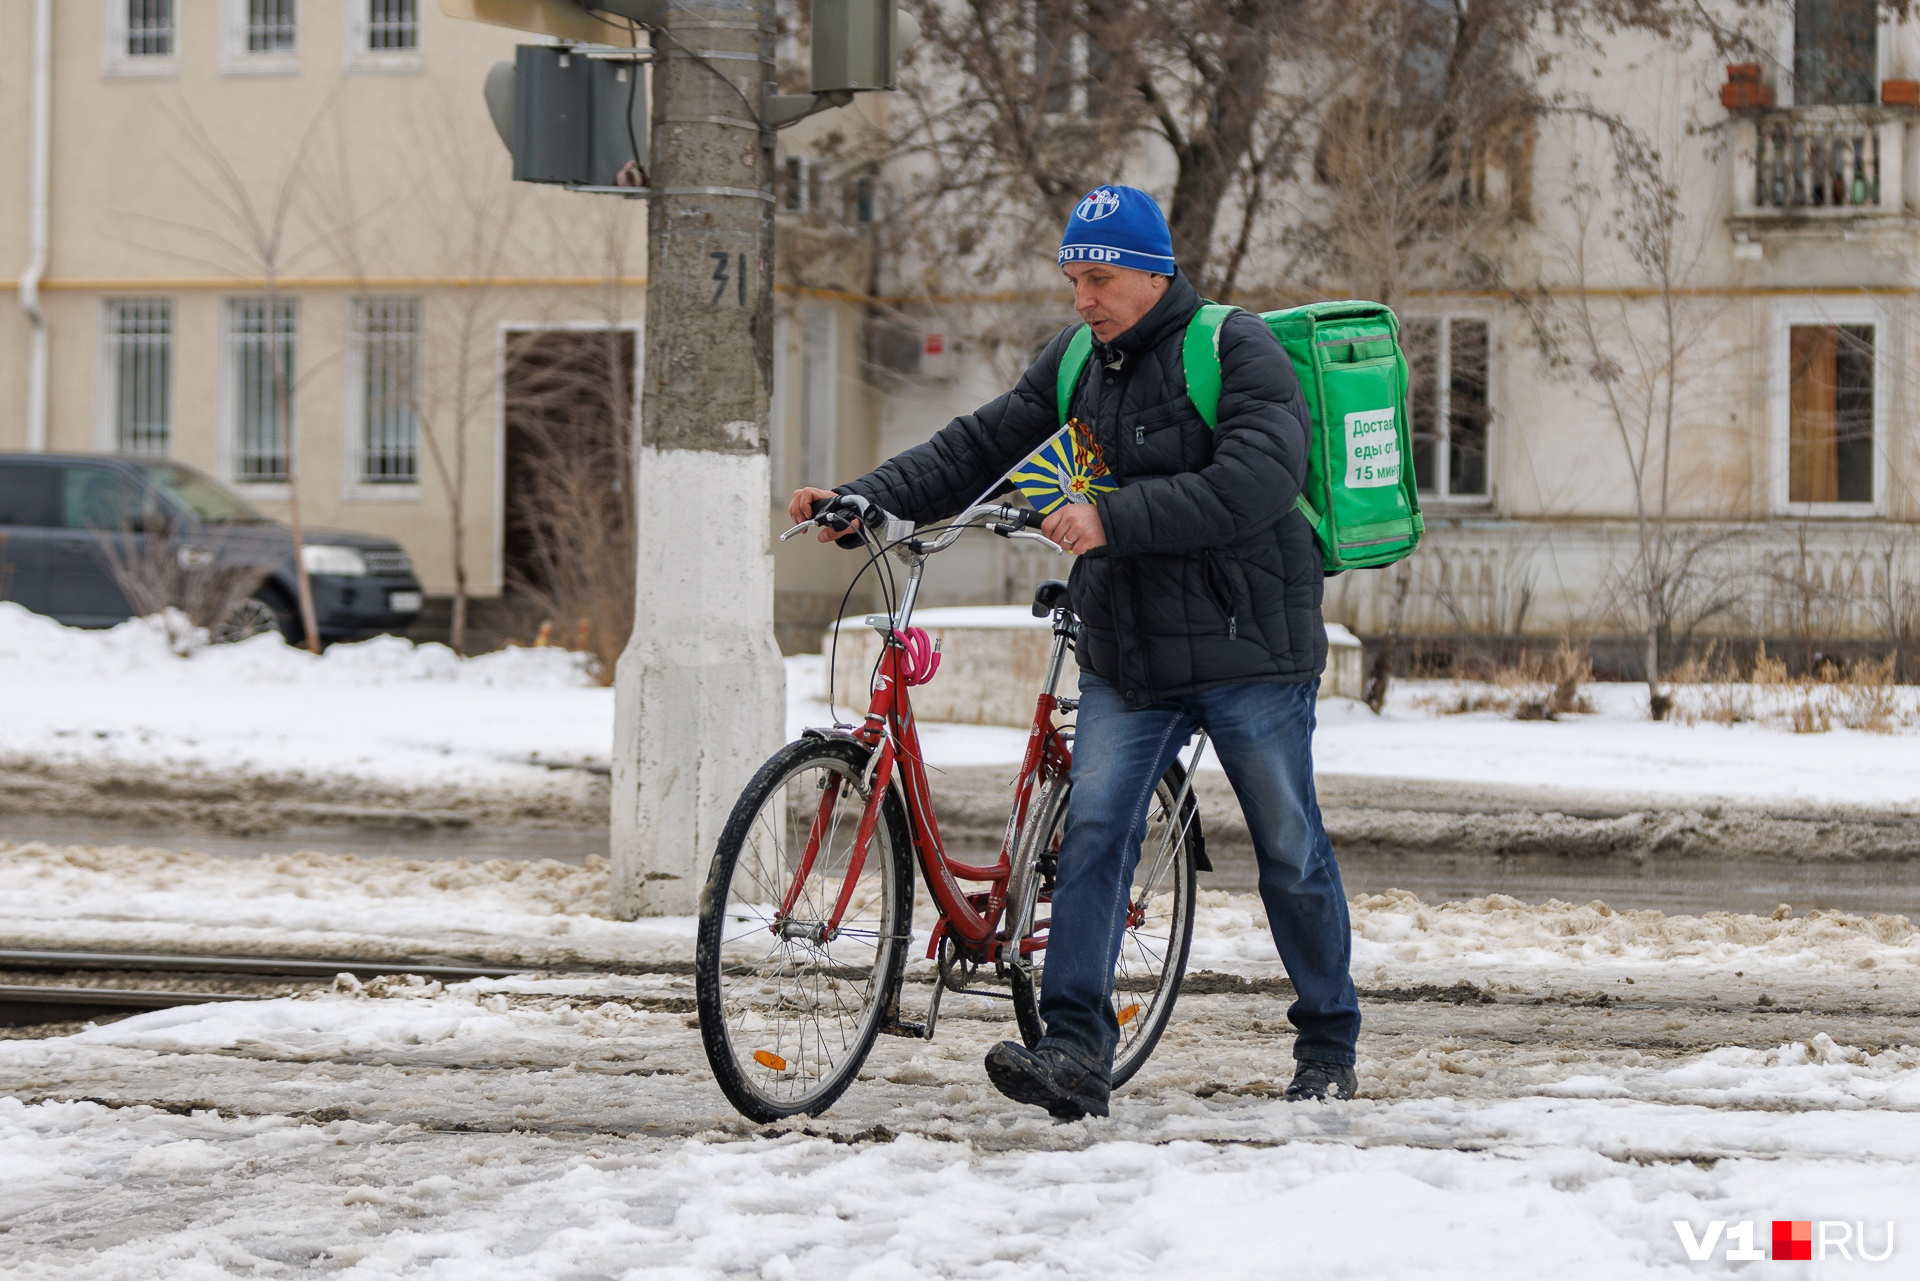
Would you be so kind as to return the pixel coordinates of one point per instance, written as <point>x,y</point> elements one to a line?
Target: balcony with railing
<point>1828,171</point>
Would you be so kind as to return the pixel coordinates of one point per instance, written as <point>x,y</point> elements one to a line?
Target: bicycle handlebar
<point>1004,520</point>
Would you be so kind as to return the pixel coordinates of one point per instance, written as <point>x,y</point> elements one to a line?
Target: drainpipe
<point>38,196</point>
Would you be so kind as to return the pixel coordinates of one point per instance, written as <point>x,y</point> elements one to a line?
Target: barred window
<point>272,26</point>
<point>393,26</point>
<point>260,339</point>
<point>387,346</point>
<point>149,28</point>
<point>139,370</point>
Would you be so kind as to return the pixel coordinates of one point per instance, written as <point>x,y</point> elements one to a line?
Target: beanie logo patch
<point>1097,205</point>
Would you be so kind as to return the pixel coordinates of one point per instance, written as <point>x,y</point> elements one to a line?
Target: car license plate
<point>403,602</point>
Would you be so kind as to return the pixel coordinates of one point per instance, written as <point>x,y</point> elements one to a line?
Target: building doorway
<point>567,530</point>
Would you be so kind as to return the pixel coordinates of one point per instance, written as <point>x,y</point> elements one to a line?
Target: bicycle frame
<point>972,919</point>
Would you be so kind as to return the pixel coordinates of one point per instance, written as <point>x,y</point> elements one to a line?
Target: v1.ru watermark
<point>1792,1239</point>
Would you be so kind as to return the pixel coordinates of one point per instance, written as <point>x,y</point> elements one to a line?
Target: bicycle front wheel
<point>789,1002</point>
<point>1159,930</point>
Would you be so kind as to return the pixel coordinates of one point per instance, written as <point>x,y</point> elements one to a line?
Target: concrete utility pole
<point>700,692</point>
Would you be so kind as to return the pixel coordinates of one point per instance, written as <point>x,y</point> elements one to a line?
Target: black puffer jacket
<point>1209,576</point>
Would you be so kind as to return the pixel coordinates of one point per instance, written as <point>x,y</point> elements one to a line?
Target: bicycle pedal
<point>900,1027</point>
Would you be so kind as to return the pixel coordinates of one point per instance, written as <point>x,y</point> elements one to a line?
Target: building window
<point>1447,364</point>
<point>271,26</point>
<point>1836,56</point>
<point>138,341</point>
<point>149,28</point>
<point>393,25</point>
<point>139,37</point>
<point>819,374</point>
<point>1073,70</point>
<point>261,36</point>
<point>383,395</point>
<point>1830,414</point>
<point>801,184</point>
<point>383,35</point>
<point>261,336</point>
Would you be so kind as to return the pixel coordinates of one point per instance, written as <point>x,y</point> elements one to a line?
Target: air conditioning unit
<point>912,352</point>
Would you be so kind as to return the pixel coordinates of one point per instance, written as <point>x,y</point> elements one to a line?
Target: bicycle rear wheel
<point>1153,950</point>
<point>789,1008</point>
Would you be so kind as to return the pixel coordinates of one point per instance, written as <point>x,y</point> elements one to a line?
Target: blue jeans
<point>1263,734</point>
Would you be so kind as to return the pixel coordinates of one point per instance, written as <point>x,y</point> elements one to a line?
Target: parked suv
<point>78,530</point>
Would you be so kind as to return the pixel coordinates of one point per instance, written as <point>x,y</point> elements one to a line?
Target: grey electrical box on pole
<point>857,43</point>
<point>572,115</point>
<point>700,691</point>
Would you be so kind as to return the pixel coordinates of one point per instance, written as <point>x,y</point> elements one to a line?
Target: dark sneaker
<point>1051,1076</point>
<point>1315,1080</point>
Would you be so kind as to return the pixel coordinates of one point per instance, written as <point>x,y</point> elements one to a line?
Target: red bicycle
<point>807,913</point>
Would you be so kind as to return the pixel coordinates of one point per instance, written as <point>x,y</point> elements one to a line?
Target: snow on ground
<point>211,1196</point>
<point>567,1125</point>
<point>404,714</point>
<point>127,899</point>
<point>524,1128</point>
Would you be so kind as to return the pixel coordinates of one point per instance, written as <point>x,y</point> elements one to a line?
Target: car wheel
<point>252,617</point>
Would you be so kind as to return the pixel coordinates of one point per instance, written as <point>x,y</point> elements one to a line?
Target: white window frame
<point>107,382</point>
<point>361,58</point>
<point>1787,313</point>
<point>1443,408</point>
<point>237,59</point>
<point>819,394</point>
<point>116,61</point>
<point>353,403</point>
<point>265,490</point>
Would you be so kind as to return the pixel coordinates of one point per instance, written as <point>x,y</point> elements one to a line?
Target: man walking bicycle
<point>1198,588</point>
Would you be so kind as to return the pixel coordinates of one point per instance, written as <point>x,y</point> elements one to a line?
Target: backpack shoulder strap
<point>1073,361</point>
<point>1201,356</point>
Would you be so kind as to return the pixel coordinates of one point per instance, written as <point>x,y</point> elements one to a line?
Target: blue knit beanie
<point>1122,226</point>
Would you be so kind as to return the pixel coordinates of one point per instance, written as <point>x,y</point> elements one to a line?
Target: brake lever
<point>1029,536</point>
<point>797,530</point>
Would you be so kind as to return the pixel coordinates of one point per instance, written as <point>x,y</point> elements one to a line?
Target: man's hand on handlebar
<point>1076,527</point>
<point>801,510</point>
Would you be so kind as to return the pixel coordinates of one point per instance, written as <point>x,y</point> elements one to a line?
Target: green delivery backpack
<point>1361,495</point>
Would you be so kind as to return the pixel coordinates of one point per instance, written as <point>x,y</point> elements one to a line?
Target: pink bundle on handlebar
<point>922,660</point>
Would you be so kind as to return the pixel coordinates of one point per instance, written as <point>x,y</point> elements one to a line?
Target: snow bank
<point>32,644</point>
<point>1397,938</point>
<point>419,715</point>
<point>385,709</point>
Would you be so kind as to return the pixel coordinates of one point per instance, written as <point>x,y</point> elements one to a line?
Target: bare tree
<point>253,235</point>
<point>570,408</point>
<point>1631,355</point>
<point>194,590</point>
<point>570,411</point>
<point>448,384</point>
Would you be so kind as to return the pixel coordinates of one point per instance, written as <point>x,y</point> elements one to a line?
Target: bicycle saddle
<point>1049,596</point>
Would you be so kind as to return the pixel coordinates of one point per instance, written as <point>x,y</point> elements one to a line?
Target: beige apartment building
<point>231,182</point>
<point>1790,498</point>
<point>234,179</point>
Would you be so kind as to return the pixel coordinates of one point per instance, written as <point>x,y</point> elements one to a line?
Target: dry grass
<point>1536,687</point>
<point>1714,690</point>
